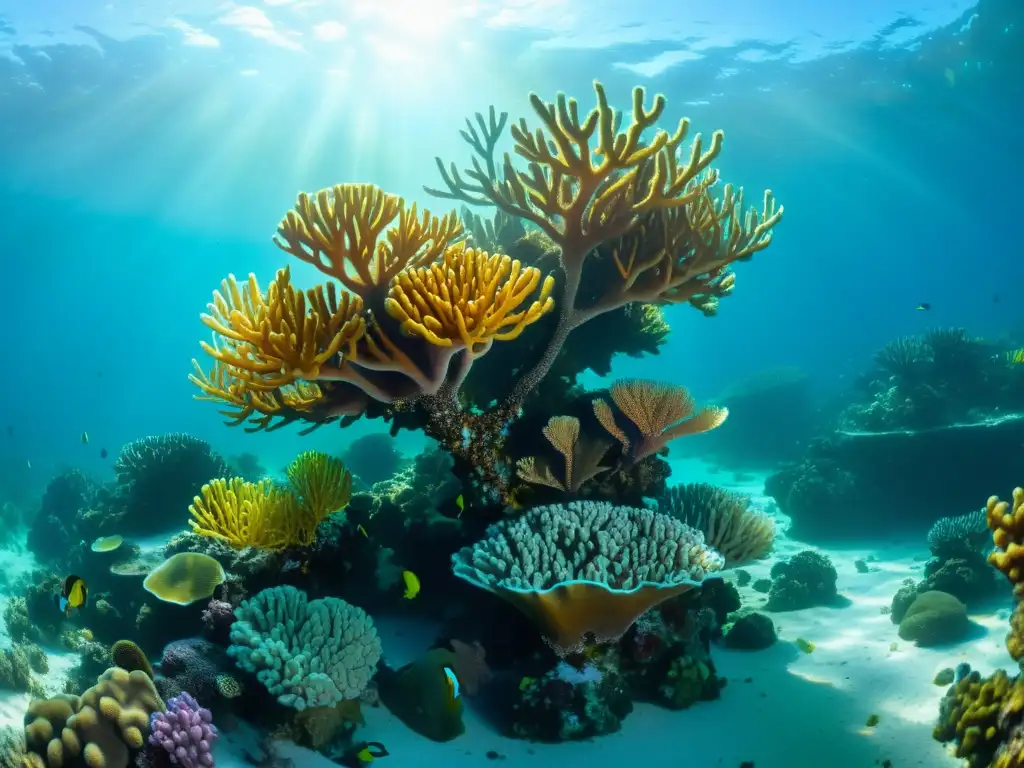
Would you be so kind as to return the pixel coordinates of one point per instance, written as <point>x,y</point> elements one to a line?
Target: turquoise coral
<point>308,653</point>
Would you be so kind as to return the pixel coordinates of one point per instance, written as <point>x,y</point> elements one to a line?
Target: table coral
<point>308,653</point>
<point>586,569</point>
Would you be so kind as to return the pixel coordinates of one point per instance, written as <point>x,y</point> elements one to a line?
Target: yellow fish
<point>74,594</point>
<point>805,645</point>
<point>412,584</point>
<point>85,438</point>
<point>371,751</point>
<point>362,530</point>
<point>1015,356</point>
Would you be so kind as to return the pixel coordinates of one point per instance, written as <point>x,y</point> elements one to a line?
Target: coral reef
<point>587,568</point>
<point>805,580</point>
<point>308,653</point>
<point>185,731</point>
<point>419,307</point>
<point>156,478</point>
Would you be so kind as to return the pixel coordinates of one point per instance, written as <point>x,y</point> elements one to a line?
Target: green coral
<point>308,653</point>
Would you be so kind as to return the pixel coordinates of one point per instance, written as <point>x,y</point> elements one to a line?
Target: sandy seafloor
<point>782,708</point>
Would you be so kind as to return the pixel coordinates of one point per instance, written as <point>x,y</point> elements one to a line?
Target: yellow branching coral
<point>323,486</point>
<point>658,412</point>
<point>346,232</point>
<point>244,514</point>
<point>469,298</point>
<point>224,384</point>
<point>282,335</point>
<point>581,457</point>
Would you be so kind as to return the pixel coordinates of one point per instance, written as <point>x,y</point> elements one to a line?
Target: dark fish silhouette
<point>923,307</point>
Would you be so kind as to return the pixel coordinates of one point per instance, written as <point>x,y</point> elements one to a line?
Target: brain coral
<point>308,653</point>
<point>100,729</point>
<point>587,568</point>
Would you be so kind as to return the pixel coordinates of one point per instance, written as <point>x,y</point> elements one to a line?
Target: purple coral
<point>185,731</point>
<point>218,618</point>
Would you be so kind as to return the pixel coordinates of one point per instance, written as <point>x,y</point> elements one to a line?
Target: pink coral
<point>185,731</point>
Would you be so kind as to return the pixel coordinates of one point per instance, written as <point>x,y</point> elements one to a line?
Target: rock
<point>934,618</point>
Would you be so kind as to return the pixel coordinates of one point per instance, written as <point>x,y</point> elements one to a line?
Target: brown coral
<point>581,457</point>
<point>658,412</point>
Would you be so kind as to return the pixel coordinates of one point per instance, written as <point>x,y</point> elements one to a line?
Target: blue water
<point>149,148</point>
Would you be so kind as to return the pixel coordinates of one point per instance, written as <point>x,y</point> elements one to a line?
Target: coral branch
<point>659,413</point>
<point>582,457</point>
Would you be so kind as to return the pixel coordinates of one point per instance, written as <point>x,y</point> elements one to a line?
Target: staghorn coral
<point>308,653</point>
<point>101,729</point>
<point>729,524</point>
<point>586,568</point>
<point>431,305</point>
<point>656,414</point>
<point>959,535</point>
<point>581,457</point>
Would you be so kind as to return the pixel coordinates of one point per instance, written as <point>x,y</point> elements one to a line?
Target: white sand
<point>781,708</point>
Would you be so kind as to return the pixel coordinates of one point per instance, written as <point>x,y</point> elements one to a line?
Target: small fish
<point>526,682</point>
<point>805,645</point>
<point>412,584</point>
<point>85,438</point>
<point>923,307</point>
<point>28,463</point>
<point>362,530</point>
<point>453,509</point>
<point>453,684</point>
<point>372,750</point>
<point>74,594</point>
<point>1015,356</point>
<point>103,453</point>
<point>872,721</point>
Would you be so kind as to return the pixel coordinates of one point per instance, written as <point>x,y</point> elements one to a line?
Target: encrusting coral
<point>586,569</point>
<point>422,305</point>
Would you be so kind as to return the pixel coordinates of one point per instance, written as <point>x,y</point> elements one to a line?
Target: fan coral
<point>419,305</point>
<point>657,413</point>
<point>587,568</point>
<point>185,731</point>
<point>726,519</point>
<point>308,653</point>
<point>581,457</point>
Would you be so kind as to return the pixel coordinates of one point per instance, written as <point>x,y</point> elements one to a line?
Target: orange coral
<point>658,412</point>
<point>282,335</point>
<point>346,232</point>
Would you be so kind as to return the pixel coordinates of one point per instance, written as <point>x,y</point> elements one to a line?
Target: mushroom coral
<point>412,306</point>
